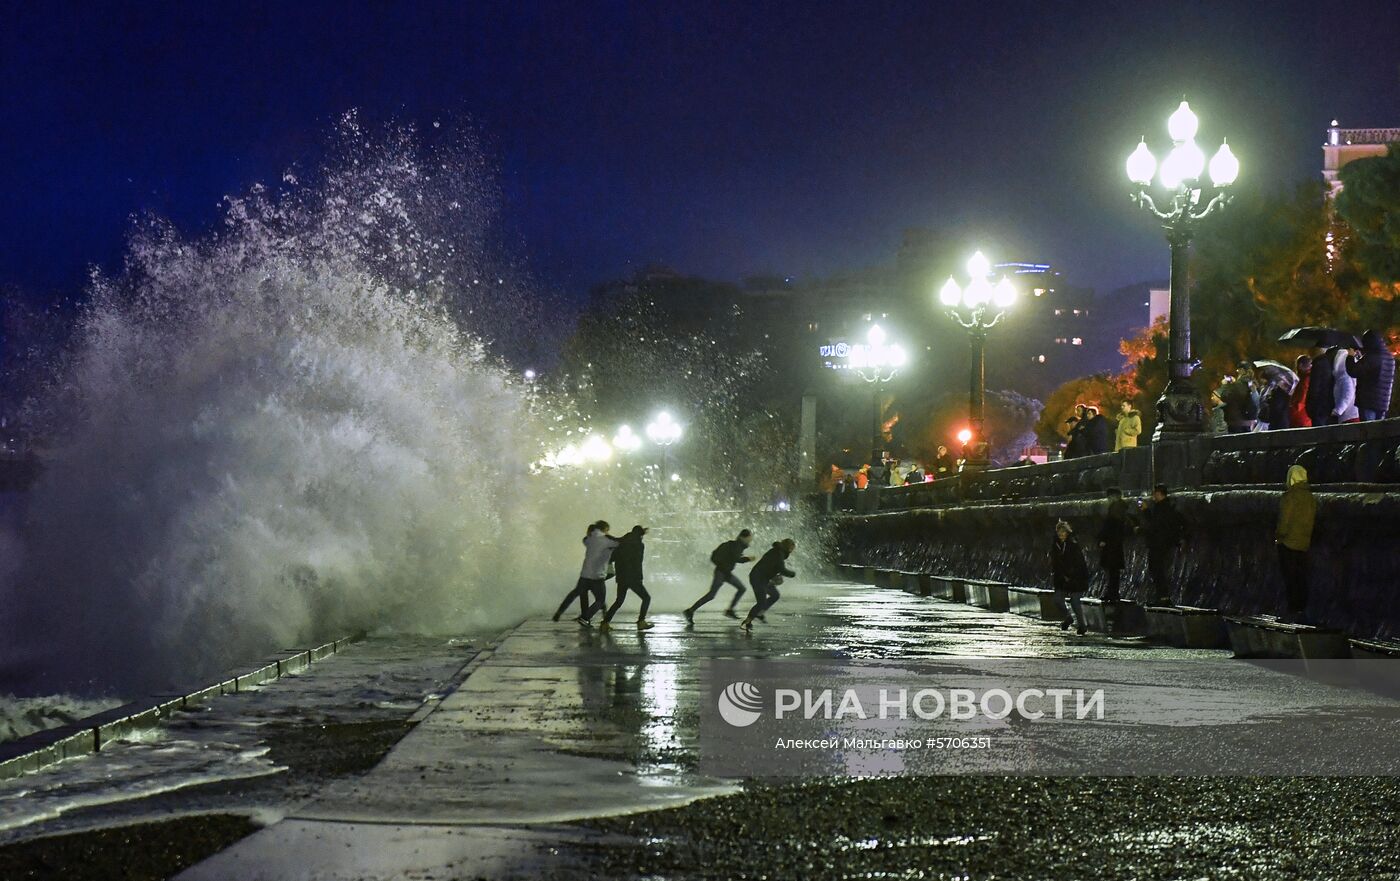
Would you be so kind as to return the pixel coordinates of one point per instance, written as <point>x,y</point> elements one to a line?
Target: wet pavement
<point>557,724</point>
<point>570,753</point>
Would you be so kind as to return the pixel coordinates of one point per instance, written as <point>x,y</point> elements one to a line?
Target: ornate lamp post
<point>977,308</point>
<point>664,431</point>
<point>877,361</point>
<point>1179,410</point>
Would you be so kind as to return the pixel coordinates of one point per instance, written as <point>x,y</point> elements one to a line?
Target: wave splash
<point>281,432</point>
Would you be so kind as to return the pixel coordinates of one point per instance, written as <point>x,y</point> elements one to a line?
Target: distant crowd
<point>1333,386</point>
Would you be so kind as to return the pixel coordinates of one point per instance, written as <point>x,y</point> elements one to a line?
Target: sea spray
<point>282,432</point>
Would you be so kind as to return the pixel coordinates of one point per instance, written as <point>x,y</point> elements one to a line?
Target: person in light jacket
<point>1343,390</point>
<point>1297,513</point>
<point>1129,427</point>
<point>598,547</point>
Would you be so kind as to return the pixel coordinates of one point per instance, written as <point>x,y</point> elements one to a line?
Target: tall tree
<point>1369,203</point>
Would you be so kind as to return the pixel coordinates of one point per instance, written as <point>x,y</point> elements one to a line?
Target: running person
<point>725,557</point>
<point>628,560</point>
<point>766,574</point>
<point>597,550</point>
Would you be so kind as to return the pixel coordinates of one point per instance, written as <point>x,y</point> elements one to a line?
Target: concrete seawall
<point>1229,562</point>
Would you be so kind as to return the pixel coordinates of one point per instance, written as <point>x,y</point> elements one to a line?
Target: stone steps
<point>1264,637</point>
<point>1187,626</point>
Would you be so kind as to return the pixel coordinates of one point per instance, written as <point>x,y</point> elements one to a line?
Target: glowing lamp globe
<point>1182,124</point>
<point>876,335</point>
<point>1224,166</point>
<point>978,266</point>
<point>950,294</point>
<point>1142,164</point>
<point>1004,294</point>
<point>965,436</point>
<point>977,293</point>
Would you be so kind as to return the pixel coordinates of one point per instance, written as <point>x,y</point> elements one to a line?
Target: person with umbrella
<point>1241,401</point>
<point>1323,382</point>
<point>1279,381</point>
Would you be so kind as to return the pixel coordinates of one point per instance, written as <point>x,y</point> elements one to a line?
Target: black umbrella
<point>1272,370</point>
<point>1321,338</point>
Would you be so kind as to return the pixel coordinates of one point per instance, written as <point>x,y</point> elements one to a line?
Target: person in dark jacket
<point>944,465</point>
<point>1099,431</point>
<point>765,576</point>
<point>1321,393</point>
<point>1112,534</point>
<point>627,562</point>
<point>1165,529</point>
<point>1276,405</point>
<point>725,558</point>
<point>1078,444</point>
<point>1069,575</point>
<point>1296,515</point>
<point>1375,377</point>
<point>1241,400</point>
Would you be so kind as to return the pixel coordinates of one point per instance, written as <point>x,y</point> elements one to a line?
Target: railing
<point>1343,136</point>
<point>1359,454</point>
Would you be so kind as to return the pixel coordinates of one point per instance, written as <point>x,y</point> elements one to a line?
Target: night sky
<point>724,140</point>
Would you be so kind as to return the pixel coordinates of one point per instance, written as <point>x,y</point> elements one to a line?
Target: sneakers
<point>730,613</point>
<point>1064,625</point>
<point>746,625</point>
<point>689,617</point>
<point>1080,630</point>
<point>604,625</point>
<point>645,625</point>
<point>583,622</point>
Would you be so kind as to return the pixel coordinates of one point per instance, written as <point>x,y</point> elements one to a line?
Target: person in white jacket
<point>1343,389</point>
<point>597,550</point>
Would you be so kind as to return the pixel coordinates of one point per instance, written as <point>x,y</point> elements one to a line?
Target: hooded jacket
<point>1375,374</point>
<point>1297,512</point>
<point>1343,390</point>
<point>773,562</point>
<point>1129,427</point>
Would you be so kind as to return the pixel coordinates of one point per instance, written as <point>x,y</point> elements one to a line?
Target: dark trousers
<point>595,586</point>
<point>1295,579</point>
<point>765,595</point>
<point>1112,581</point>
<point>1159,566</point>
<point>721,578</point>
<point>1072,606</point>
<point>636,587</point>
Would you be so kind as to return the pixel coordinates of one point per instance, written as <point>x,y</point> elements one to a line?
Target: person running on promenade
<point>725,557</point>
<point>1070,576</point>
<point>765,577</point>
<point>1166,531</point>
<point>628,561</point>
<point>598,547</point>
<point>1297,513</point>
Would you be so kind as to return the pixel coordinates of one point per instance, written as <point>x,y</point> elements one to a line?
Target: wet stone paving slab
<point>574,753</point>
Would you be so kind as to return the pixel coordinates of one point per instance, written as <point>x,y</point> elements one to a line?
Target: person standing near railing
<point>1297,513</point>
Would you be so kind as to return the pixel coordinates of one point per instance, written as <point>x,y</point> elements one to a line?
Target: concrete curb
<point>90,735</point>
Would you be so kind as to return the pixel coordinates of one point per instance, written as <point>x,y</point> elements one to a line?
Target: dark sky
<point>725,139</point>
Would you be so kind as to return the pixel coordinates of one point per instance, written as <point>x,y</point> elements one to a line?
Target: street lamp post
<point>1179,411</point>
<point>877,361</point>
<point>977,307</point>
